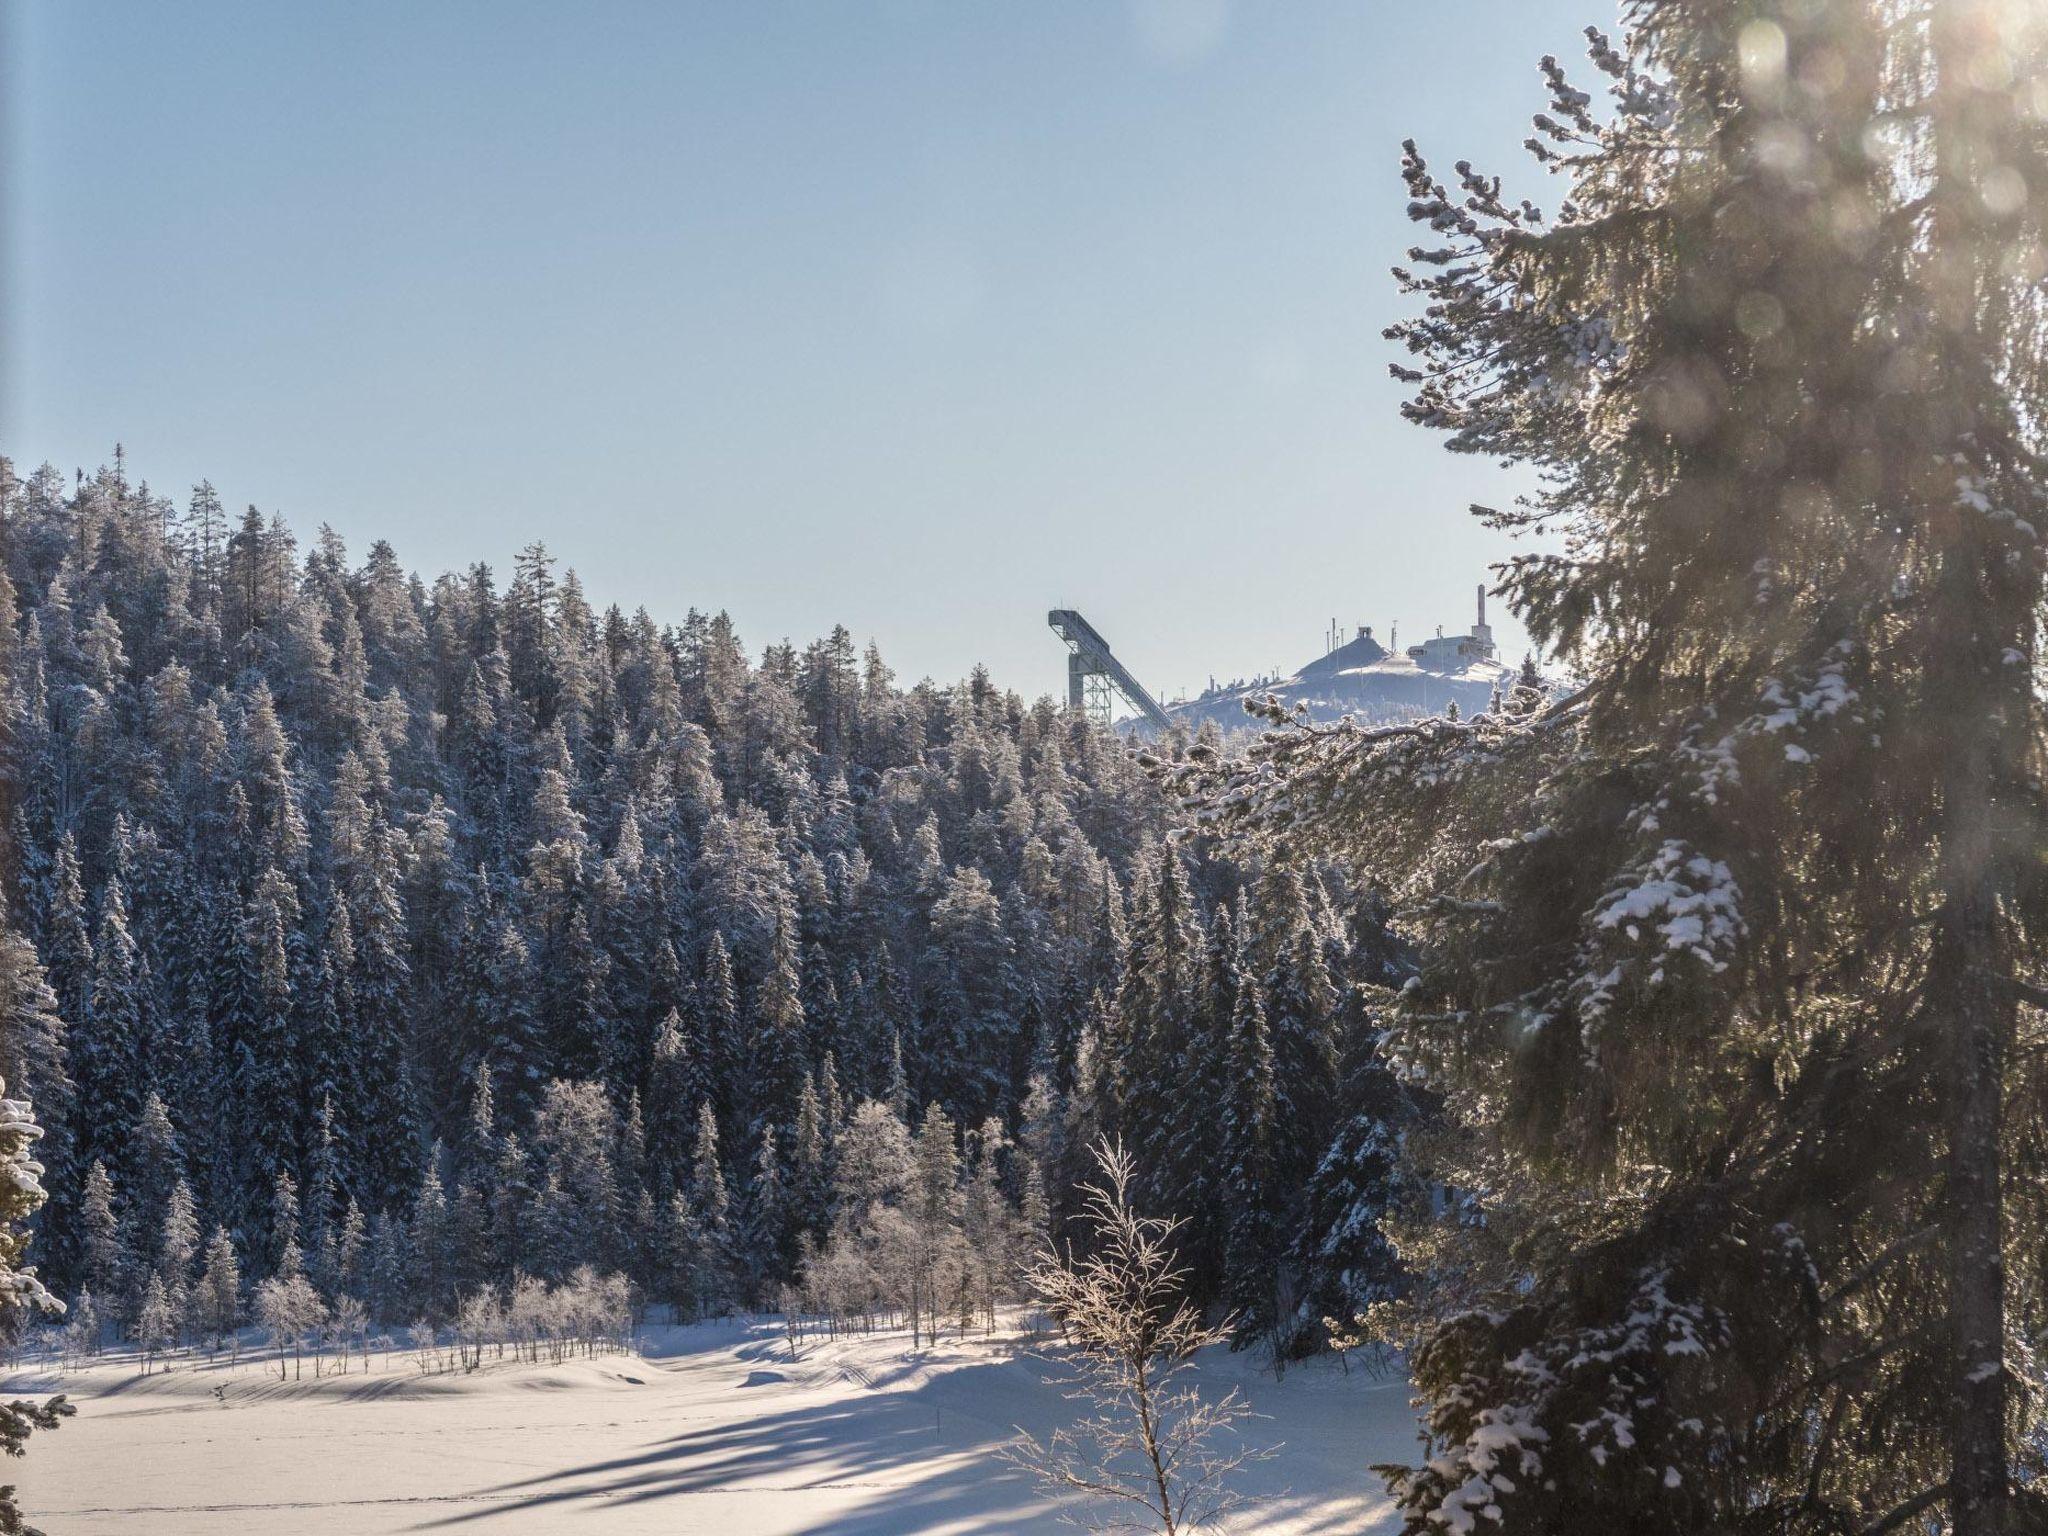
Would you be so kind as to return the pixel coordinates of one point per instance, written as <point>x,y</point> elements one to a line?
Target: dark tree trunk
<point>1980,1021</point>
<point>1982,721</point>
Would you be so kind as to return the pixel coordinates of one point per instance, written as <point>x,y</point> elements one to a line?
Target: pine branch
<point>1925,1500</point>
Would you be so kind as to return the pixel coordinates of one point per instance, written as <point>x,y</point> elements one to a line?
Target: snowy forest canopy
<point>415,936</point>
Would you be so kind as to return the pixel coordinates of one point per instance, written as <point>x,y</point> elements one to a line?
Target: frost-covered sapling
<point>349,1323</point>
<point>790,1301</point>
<point>290,1311</point>
<point>156,1323</point>
<point>1150,1452</point>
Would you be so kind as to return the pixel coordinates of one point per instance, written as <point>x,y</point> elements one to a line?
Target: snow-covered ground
<point>713,1429</point>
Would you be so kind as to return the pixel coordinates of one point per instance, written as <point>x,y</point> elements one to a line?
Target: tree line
<point>400,941</point>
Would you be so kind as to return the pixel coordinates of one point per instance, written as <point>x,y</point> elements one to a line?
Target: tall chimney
<point>1482,605</point>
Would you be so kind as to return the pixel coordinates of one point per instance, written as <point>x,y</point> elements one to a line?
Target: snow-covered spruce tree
<point>988,1227</point>
<point>105,1263</point>
<point>675,1084</point>
<point>766,1240</point>
<point>108,1038</point>
<point>1249,1196</point>
<point>154,1160</point>
<point>429,1249</point>
<point>178,1245</point>
<point>156,1322</point>
<point>1284,954</point>
<point>724,1045</point>
<point>1190,1141</point>
<point>217,1303</point>
<point>810,1174</point>
<point>1157,1007</point>
<point>21,1191</point>
<point>383,995</point>
<point>932,1204</point>
<point>34,1056</point>
<point>776,1071</point>
<point>711,1262</point>
<point>573,1133</point>
<point>1725,958</point>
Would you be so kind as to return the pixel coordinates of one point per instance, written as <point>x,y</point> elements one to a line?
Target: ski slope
<point>713,1429</point>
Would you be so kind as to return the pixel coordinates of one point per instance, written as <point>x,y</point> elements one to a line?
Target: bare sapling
<point>1149,1451</point>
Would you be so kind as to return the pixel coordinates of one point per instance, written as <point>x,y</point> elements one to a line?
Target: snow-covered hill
<point>1361,677</point>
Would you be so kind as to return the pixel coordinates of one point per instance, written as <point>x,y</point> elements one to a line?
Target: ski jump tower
<point>1095,678</point>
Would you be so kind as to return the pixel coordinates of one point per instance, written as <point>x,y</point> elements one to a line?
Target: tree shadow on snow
<point>864,1445</point>
<point>867,1448</point>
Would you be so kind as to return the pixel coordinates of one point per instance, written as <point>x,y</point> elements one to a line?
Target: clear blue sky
<point>919,317</point>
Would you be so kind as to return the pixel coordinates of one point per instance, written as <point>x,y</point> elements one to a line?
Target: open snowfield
<point>713,1429</point>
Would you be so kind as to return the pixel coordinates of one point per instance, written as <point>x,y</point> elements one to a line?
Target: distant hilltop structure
<point>1095,678</point>
<point>1362,677</point>
<point>1358,676</point>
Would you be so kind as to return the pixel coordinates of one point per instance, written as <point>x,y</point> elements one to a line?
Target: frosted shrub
<point>82,1331</point>
<point>349,1323</point>
<point>1150,1452</point>
<point>421,1337</point>
<point>290,1311</point>
<point>479,1322</point>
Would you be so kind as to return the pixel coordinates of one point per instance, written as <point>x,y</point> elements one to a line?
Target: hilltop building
<point>1362,677</point>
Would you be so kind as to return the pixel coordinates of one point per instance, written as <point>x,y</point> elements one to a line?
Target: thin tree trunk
<point>1974,1016</point>
<point>1150,1433</point>
<point>1972,963</point>
<point>1974,1206</point>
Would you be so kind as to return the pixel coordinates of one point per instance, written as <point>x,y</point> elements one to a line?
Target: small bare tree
<point>1150,1453</point>
<point>791,1301</point>
<point>479,1323</point>
<point>290,1310</point>
<point>424,1341</point>
<point>349,1323</point>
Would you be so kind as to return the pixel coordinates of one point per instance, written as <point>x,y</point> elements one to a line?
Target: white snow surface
<point>712,1428</point>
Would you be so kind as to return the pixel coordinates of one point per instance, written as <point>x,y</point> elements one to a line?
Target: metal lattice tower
<point>1095,678</point>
